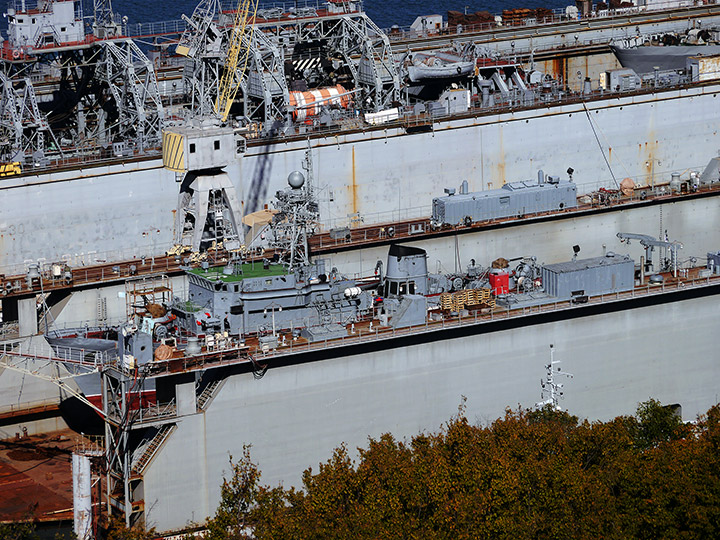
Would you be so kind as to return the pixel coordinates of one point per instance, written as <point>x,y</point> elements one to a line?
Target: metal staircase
<point>149,451</point>
<point>208,393</point>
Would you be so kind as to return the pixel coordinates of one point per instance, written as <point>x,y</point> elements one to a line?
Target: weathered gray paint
<point>694,223</point>
<point>22,390</point>
<point>583,277</point>
<point>513,199</point>
<point>294,416</point>
<point>27,316</point>
<point>114,212</point>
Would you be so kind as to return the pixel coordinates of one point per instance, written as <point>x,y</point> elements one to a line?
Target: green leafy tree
<point>237,497</point>
<point>530,474</point>
<point>656,424</point>
<point>24,530</point>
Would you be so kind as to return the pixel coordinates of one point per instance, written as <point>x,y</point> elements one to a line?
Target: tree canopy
<point>530,474</point>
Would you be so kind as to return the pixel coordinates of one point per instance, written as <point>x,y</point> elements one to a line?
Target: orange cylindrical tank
<point>309,103</point>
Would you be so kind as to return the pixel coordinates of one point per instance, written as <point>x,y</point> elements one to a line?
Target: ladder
<point>208,392</point>
<point>152,447</point>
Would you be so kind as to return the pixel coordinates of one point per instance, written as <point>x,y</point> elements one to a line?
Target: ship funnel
<point>464,187</point>
<point>406,272</point>
<point>541,177</point>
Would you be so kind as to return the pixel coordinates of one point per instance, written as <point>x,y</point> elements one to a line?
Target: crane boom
<point>231,77</point>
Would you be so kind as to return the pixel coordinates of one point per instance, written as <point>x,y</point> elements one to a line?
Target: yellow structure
<point>232,76</point>
<point>10,169</point>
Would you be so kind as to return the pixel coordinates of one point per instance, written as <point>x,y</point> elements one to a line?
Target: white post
<point>82,499</point>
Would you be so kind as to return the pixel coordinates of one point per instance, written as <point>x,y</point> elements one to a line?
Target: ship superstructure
<point>157,398</point>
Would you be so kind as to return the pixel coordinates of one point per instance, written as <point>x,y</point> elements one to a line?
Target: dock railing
<point>71,356</point>
<point>263,358</point>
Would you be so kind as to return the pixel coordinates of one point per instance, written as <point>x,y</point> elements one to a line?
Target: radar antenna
<point>297,216</point>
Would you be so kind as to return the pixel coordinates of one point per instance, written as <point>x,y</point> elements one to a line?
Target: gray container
<point>713,262</point>
<point>589,277</point>
<point>514,199</point>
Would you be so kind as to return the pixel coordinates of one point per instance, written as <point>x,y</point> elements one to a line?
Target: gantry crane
<point>208,208</point>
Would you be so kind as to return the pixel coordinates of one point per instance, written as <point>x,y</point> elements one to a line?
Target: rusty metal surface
<point>36,477</point>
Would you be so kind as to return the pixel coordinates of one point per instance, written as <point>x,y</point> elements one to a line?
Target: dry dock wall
<point>118,211</point>
<point>296,414</point>
<point>695,223</point>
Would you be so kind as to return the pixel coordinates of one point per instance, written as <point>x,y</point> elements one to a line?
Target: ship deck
<point>370,329</point>
<point>250,356</point>
<point>361,236</point>
<point>36,476</point>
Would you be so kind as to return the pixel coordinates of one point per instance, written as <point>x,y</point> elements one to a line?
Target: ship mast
<point>297,216</point>
<point>552,390</point>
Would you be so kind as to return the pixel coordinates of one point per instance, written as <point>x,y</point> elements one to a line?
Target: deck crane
<point>650,243</point>
<point>208,212</point>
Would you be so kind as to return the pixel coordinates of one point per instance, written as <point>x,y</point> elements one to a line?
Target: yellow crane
<point>236,58</point>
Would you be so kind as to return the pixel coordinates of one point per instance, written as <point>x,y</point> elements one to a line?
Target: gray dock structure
<point>621,352</point>
<point>298,412</point>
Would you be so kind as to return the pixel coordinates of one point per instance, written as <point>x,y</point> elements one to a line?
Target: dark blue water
<point>385,13</point>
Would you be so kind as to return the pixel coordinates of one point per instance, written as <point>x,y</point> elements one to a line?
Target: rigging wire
<point>602,150</point>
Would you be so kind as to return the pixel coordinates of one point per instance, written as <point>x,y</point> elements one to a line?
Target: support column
<point>27,317</point>
<point>82,499</point>
<point>186,399</point>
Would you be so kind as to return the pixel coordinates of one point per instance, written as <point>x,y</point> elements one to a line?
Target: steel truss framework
<point>351,37</point>
<point>116,386</point>
<point>265,85</point>
<point>24,130</point>
<point>358,41</point>
<point>131,79</point>
<point>366,52</point>
<point>115,98</point>
<point>104,23</point>
<point>202,44</point>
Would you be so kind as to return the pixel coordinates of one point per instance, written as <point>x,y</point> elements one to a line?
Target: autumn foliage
<point>531,474</point>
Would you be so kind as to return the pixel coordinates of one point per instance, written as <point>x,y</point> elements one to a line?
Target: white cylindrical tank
<point>82,498</point>
<point>352,292</point>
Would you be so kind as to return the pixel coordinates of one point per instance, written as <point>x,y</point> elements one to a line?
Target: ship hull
<point>649,59</point>
<point>306,405</point>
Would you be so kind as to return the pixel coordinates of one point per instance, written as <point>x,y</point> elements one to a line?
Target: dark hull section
<point>647,59</point>
<point>81,418</point>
